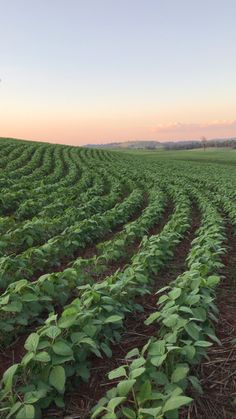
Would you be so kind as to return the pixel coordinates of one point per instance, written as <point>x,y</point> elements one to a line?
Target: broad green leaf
<point>27,412</point>
<point>97,412</point>
<point>157,348</point>
<point>158,360</point>
<point>151,411</point>
<point>132,353</point>
<point>176,402</point>
<point>137,372</point>
<point>139,362</point>
<point>113,319</point>
<point>118,372</point>
<point>29,297</point>
<point>213,280</point>
<point>152,318</point>
<point>52,332</point>
<point>196,384</point>
<point>33,396</point>
<point>106,350</point>
<point>175,293</point>
<point>27,358</point>
<point>67,321</point>
<point>203,343</point>
<point>162,289</point>
<point>171,320</point>
<point>128,413</point>
<point>57,378</point>
<point>42,357</point>
<point>145,392</point>
<point>31,343</point>
<point>179,373</point>
<point>124,387</point>
<point>113,403</point>
<point>192,330</point>
<point>15,306</point>
<point>13,410</point>
<point>62,348</point>
<point>8,377</point>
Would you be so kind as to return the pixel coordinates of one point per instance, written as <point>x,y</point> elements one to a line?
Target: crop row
<point>153,382</point>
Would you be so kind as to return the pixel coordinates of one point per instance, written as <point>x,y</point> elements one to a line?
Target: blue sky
<point>78,71</point>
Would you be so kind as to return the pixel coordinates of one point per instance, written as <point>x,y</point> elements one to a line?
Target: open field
<point>117,277</point>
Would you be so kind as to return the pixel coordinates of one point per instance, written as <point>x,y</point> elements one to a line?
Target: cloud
<point>178,129</point>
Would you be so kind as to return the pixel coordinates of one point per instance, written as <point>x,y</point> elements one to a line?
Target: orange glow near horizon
<point>104,131</point>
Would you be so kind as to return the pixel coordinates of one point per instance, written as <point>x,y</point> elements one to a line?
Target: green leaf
<point>90,330</point>
<point>118,372</point>
<point>145,392</point>
<point>106,350</point>
<point>132,353</point>
<point>152,318</point>
<point>124,387</point>
<point>15,307</point>
<point>137,372</point>
<point>175,293</point>
<point>151,411</point>
<point>128,413</point>
<point>113,319</point>
<point>189,351</point>
<point>52,332</point>
<point>171,320</point>
<point>31,343</point>
<point>27,358</point>
<point>59,402</point>
<point>97,411</point>
<point>8,377</point>
<point>42,357</point>
<point>196,384</point>
<point>57,378</point>
<point>157,348</point>
<point>192,330</point>
<point>213,280</point>
<point>203,343</point>
<point>62,348</point>
<point>27,412</point>
<point>67,321</point>
<point>158,360</point>
<point>113,403</point>
<point>163,289</point>
<point>13,410</point>
<point>179,373</point>
<point>139,362</point>
<point>29,297</point>
<point>33,396</point>
<point>175,402</point>
<point>199,313</point>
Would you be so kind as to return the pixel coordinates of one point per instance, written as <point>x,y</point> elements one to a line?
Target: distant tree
<point>204,143</point>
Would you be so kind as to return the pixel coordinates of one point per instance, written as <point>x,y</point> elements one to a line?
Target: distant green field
<point>213,155</point>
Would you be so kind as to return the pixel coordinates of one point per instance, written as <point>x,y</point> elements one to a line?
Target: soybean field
<point>118,283</point>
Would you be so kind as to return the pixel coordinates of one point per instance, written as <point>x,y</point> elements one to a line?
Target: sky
<point>97,71</point>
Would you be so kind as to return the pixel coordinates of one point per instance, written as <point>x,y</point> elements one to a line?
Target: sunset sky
<point>97,71</point>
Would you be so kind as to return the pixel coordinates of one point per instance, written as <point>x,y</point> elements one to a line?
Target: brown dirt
<point>217,374</point>
<point>13,354</point>
<point>136,334</point>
